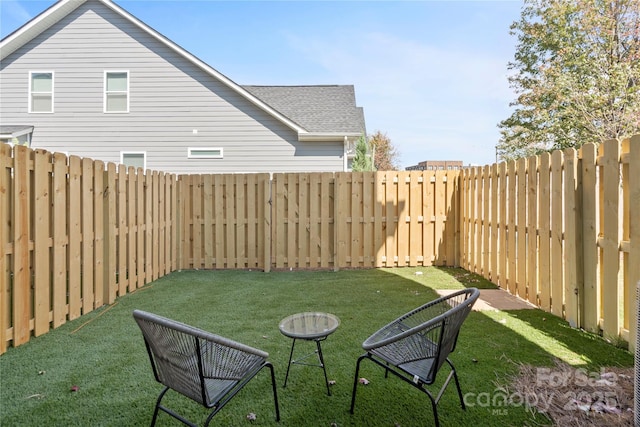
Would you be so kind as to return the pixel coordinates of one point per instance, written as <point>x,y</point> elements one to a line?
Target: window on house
<point>205,153</point>
<point>41,92</point>
<point>116,92</point>
<point>135,159</point>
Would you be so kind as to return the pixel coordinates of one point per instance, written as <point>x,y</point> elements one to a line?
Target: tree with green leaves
<point>576,75</point>
<point>362,161</point>
<point>385,155</point>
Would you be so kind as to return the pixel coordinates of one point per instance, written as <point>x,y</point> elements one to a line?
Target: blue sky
<point>432,75</point>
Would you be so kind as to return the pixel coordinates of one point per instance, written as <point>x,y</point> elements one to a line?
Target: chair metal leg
<point>157,408</point>
<point>355,383</point>
<point>434,401</point>
<point>275,391</point>
<point>170,412</point>
<point>455,377</point>
<point>434,406</point>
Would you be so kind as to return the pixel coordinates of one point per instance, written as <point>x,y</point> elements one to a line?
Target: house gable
<point>177,103</point>
<point>59,11</point>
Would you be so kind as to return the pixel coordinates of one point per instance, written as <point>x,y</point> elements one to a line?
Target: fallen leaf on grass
<point>35,396</point>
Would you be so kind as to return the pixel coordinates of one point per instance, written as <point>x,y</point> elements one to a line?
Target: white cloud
<point>433,102</point>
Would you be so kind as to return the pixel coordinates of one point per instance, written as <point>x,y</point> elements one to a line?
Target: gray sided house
<point>87,78</point>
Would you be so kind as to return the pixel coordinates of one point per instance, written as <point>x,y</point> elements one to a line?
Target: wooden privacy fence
<point>318,220</point>
<point>561,230</point>
<point>75,234</point>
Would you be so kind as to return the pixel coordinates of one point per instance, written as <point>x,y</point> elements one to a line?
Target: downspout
<point>345,148</point>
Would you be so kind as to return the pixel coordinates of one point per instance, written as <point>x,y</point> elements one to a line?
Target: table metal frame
<point>317,338</point>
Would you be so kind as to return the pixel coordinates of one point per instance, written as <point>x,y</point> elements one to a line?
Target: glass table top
<point>309,325</point>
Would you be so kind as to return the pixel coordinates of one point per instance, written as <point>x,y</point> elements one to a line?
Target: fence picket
<point>21,216</point>
<point>486,222</point>
<point>99,254</point>
<point>557,255</point>
<point>473,220</point>
<point>544,237</point>
<point>591,297</point>
<point>132,228</point>
<point>451,226</point>
<point>402,212</point>
<point>110,265</point>
<point>493,224</point>
<point>511,228</point>
<point>41,237</point>
<point>521,229</point>
<point>611,238</point>
<point>86,228</point>
<point>74,247</point>
<point>121,221</point>
<point>502,199</point>
<point>572,285</point>
<point>532,230</point>
<point>6,167</point>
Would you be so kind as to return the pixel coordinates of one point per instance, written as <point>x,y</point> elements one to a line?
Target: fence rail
<point>561,230</point>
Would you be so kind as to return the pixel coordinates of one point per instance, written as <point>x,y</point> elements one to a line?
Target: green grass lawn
<point>103,353</point>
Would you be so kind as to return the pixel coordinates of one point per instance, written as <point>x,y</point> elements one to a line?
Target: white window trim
<point>53,79</point>
<point>191,155</point>
<point>104,92</point>
<point>144,156</point>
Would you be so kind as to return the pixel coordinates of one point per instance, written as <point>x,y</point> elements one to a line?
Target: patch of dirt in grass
<point>572,396</point>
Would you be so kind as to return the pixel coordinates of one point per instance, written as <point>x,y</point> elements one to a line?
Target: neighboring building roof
<point>282,97</point>
<point>318,109</point>
<point>13,131</point>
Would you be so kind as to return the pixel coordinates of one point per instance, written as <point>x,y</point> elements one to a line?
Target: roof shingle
<point>321,108</point>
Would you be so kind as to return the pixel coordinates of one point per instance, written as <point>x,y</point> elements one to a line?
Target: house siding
<point>169,97</point>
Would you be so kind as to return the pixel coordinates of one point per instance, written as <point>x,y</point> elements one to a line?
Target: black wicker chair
<point>416,345</point>
<point>202,366</point>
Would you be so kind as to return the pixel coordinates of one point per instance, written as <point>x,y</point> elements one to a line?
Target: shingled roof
<point>318,109</point>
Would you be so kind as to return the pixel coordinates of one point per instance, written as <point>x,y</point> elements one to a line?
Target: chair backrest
<point>182,356</point>
<point>460,304</point>
<point>422,339</point>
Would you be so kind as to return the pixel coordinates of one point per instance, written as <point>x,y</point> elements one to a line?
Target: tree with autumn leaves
<point>379,148</point>
<point>385,154</point>
<point>576,75</point>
